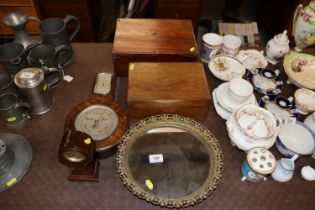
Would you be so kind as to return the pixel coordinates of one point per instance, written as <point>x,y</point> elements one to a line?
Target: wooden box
<point>152,40</point>
<point>173,88</point>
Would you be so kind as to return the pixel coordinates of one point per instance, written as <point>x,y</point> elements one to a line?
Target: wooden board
<point>152,40</point>
<point>177,88</point>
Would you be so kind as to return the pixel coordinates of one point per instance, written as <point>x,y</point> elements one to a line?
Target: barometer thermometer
<point>101,118</point>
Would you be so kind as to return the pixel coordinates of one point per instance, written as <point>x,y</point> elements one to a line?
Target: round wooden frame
<point>111,141</point>
<point>187,124</point>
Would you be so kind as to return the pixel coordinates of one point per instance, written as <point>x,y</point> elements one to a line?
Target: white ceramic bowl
<point>295,138</point>
<point>305,100</point>
<point>240,89</point>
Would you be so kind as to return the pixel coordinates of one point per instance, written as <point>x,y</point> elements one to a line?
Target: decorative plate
<point>255,121</point>
<point>226,67</point>
<point>280,106</point>
<point>244,142</point>
<point>300,68</point>
<point>265,81</point>
<point>252,59</point>
<point>227,102</point>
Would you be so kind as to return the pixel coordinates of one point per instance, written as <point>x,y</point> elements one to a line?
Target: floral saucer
<point>280,106</point>
<point>227,102</point>
<point>252,59</point>
<point>226,67</point>
<point>221,111</point>
<point>265,81</point>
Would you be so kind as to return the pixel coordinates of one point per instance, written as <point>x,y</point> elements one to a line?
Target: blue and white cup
<point>210,42</point>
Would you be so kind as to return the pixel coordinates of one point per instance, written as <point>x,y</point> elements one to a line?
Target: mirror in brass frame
<point>169,160</point>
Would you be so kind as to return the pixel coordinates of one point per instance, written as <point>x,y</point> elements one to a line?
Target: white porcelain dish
<point>227,102</point>
<point>226,67</point>
<point>223,113</point>
<point>252,59</point>
<point>296,138</point>
<point>256,121</point>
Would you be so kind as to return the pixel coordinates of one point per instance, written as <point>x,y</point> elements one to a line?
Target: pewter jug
<point>17,22</point>
<point>54,32</point>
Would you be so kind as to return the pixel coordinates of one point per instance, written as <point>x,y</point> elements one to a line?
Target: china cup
<point>240,89</point>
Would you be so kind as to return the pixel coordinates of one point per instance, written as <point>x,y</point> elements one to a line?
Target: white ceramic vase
<point>303,27</point>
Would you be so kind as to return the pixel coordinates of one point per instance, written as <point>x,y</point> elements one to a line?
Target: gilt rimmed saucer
<point>226,67</point>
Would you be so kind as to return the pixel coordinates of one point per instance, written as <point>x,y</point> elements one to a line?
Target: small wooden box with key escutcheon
<point>170,87</point>
<point>152,40</point>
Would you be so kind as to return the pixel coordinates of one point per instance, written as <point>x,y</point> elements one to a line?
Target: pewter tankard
<point>35,90</point>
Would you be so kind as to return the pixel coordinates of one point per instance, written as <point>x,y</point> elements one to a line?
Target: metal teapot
<point>303,26</point>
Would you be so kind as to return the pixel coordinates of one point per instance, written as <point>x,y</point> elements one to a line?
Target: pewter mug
<point>47,55</point>
<point>13,112</point>
<point>7,84</point>
<point>12,57</point>
<point>46,58</point>
<point>54,32</point>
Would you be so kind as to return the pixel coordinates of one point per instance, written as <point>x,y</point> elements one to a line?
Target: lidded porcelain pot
<point>277,47</point>
<point>303,26</point>
<point>259,162</point>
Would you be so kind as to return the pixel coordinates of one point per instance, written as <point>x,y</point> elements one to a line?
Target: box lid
<point>154,36</point>
<point>167,81</point>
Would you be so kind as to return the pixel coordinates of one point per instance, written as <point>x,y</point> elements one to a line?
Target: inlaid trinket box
<point>152,40</point>
<point>170,87</point>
